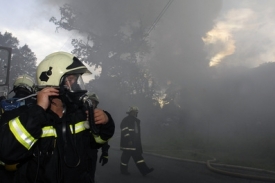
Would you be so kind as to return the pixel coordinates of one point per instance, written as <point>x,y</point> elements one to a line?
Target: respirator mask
<point>72,90</point>
<point>73,94</point>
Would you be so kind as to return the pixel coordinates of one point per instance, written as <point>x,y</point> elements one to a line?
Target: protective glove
<point>103,158</point>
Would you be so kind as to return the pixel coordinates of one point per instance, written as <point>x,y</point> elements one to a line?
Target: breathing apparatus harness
<point>77,100</point>
<point>74,101</point>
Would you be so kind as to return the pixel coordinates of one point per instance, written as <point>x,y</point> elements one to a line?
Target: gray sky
<point>29,22</point>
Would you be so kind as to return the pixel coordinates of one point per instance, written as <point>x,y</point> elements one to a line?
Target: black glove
<point>103,158</point>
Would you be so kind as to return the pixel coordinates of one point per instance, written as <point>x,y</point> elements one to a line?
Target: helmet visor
<point>73,82</point>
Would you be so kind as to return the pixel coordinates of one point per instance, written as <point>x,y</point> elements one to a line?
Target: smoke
<point>52,3</point>
<point>242,34</point>
<point>221,36</point>
<point>202,56</point>
<point>176,37</point>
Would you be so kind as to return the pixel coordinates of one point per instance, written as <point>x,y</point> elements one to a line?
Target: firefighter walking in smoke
<point>50,138</point>
<point>130,143</point>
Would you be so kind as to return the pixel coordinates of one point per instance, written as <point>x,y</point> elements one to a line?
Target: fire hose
<point>247,176</point>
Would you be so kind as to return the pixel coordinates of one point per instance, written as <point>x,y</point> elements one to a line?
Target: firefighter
<point>50,139</point>
<point>130,143</point>
<point>24,90</point>
<point>104,147</point>
<point>23,87</point>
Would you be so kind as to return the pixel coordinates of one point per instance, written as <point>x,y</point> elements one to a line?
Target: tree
<point>23,60</point>
<point>117,49</point>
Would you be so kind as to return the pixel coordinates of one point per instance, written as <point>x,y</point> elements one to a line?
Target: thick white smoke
<point>243,35</point>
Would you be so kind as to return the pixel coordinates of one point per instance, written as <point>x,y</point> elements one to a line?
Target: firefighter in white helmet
<point>50,137</point>
<point>24,89</point>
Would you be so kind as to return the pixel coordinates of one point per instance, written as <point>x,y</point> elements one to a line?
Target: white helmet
<point>24,81</point>
<point>51,70</point>
<point>132,109</point>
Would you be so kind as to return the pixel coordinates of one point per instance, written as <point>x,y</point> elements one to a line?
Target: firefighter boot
<point>144,169</point>
<point>148,171</point>
<point>124,169</point>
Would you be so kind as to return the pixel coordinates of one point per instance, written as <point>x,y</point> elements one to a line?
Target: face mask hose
<point>89,106</point>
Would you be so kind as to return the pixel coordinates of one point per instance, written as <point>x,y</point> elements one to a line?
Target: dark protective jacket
<point>7,172</point>
<point>49,148</point>
<point>130,134</point>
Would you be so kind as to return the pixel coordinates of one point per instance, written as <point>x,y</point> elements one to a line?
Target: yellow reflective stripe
<point>79,127</point>
<point>99,140</point>
<point>123,164</point>
<point>21,134</point>
<point>125,148</point>
<point>2,163</point>
<point>48,131</point>
<point>126,128</point>
<point>141,161</point>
